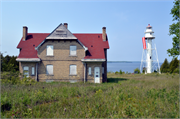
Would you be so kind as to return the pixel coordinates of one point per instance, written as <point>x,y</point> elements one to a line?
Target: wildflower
<point>43,87</point>
<point>65,109</point>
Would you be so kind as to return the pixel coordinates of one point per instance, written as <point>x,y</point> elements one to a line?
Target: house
<point>64,56</point>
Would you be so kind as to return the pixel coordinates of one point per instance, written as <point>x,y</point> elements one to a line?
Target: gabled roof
<point>61,32</point>
<point>93,42</point>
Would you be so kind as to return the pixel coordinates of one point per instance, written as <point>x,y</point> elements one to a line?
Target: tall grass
<point>123,96</point>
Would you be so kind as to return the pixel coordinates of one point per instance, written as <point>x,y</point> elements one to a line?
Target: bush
<point>116,72</point>
<point>137,71</point>
<point>176,70</point>
<point>120,72</point>
<point>14,78</point>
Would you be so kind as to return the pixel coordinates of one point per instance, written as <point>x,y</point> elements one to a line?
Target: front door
<point>97,75</point>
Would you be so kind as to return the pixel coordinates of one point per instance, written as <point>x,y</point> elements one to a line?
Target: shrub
<point>137,71</point>
<point>116,72</point>
<point>120,72</point>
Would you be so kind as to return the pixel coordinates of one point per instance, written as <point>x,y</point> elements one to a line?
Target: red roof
<point>149,25</point>
<point>93,42</point>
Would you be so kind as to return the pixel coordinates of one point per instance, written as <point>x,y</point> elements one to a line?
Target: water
<point>123,66</point>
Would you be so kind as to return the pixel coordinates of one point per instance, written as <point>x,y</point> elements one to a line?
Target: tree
<point>174,30</point>
<point>174,64</point>
<point>165,66</point>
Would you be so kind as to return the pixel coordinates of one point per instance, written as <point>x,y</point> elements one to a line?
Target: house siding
<point>90,78</point>
<point>61,61</point>
<point>61,71</point>
<point>30,65</point>
<point>61,51</point>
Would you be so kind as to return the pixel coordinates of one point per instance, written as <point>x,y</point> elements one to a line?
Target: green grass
<point>124,96</point>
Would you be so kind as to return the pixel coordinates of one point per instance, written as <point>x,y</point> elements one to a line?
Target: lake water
<point>124,66</point>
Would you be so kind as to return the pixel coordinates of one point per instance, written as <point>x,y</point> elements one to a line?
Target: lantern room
<point>149,32</point>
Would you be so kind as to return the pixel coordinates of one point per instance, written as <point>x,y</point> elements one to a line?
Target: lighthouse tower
<point>149,62</point>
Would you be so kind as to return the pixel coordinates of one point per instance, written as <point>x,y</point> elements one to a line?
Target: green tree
<point>174,30</point>
<point>165,66</point>
<point>174,64</point>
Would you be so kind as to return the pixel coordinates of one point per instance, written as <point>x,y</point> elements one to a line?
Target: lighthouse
<point>149,62</point>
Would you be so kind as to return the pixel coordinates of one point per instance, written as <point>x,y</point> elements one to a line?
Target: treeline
<point>172,67</point>
<point>9,63</point>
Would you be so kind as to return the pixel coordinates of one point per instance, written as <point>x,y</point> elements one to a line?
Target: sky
<point>125,22</point>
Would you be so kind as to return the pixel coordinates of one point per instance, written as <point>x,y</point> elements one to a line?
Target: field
<point>124,96</point>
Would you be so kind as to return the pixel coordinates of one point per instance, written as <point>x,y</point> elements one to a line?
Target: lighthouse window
<point>150,57</point>
<point>150,33</point>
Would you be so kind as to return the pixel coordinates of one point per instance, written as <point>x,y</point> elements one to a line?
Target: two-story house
<point>63,56</point>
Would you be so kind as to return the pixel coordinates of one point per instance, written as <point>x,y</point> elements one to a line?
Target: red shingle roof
<point>93,42</point>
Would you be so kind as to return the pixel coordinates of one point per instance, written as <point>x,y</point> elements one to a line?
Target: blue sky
<point>125,22</point>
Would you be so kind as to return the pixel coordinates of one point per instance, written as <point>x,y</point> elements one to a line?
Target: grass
<point>123,96</point>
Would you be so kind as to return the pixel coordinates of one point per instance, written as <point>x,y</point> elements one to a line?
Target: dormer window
<point>49,50</point>
<point>73,50</point>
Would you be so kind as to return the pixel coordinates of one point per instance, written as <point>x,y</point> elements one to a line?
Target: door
<point>97,75</point>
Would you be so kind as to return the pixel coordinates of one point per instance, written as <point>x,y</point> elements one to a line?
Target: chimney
<point>25,30</point>
<point>104,33</point>
<point>66,25</point>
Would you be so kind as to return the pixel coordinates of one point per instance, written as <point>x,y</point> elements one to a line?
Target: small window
<point>32,70</point>
<point>49,50</point>
<point>73,50</point>
<point>102,70</point>
<point>73,70</point>
<point>49,69</point>
<point>89,70</point>
<point>26,71</point>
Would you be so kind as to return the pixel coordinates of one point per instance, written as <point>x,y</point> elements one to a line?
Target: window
<point>102,70</point>
<point>32,70</point>
<point>26,71</point>
<point>72,69</point>
<point>73,50</point>
<point>49,50</point>
<point>89,70</point>
<point>49,69</point>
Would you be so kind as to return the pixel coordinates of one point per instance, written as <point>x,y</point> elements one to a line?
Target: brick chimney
<point>66,25</point>
<point>25,30</point>
<point>104,33</point>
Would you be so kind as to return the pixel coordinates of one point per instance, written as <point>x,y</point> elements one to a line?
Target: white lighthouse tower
<point>149,62</point>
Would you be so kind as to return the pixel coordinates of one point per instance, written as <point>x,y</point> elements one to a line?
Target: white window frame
<point>73,69</point>
<point>73,52</point>
<point>89,71</point>
<point>32,71</point>
<point>49,50</point>
<point>49,71</point>
<point>26,71</point>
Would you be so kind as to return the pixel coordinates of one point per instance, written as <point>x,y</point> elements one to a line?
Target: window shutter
<point>73,50</point>
<point>89,70</point>
<point>49,69</point>
<point>73,69</point>
<point>32,70</point>
<point>50,50</point>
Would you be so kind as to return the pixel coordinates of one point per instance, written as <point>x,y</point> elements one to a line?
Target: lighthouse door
<point>96,75</point>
